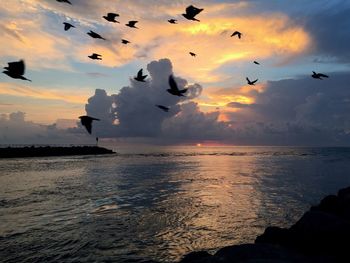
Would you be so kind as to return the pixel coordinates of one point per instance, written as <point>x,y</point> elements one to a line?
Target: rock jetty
<point>45,151</point>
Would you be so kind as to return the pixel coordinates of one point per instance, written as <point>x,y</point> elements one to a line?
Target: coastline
<point>320,235</point>
<point>51,151</point>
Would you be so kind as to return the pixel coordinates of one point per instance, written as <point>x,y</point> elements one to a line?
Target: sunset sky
<point>290,39</point>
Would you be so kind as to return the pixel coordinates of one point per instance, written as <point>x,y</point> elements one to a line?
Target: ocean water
<point>157,203</point>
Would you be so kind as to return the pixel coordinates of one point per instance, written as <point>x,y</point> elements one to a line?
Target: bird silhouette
<point>67,26</point>
<point>192,54</point>
<point>132,24</point>
<point>64,1</point>
<point>318,75</point>
<point>174,90</point>
<point>191,12</point>
<point>110,17</point>
<point>95,35</point>
<point>86,121</point>
<point>237,33</point>
<point>172,21</point>
<point>140,77</point>
<point>256,62</point>
<point>95,56</point>
<point>15,70</point>
<point>124,41</point>
<point>251,82</point>
<point>166,109</point>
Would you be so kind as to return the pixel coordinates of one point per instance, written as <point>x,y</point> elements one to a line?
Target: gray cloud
<point>14,129</point>
<point>132,112</point>
<point>303,111</point>
<point>330,32</point>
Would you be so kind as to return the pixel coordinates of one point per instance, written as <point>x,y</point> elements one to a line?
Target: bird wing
<point>183,90</point>
<point>132,23</point>
<point>234,34</point>
<point>139,74</point>
<point>112,15</point>
<point>172,83</point>
<point>248,80</point>
<point>17,67</point>
<point>193,11</point>
<point>254,81</point>
<point>88,126</point>
<point>323,75</point>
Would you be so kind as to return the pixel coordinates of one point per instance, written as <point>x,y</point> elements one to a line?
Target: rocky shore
<point>32,151</point>
<point>322,234</point>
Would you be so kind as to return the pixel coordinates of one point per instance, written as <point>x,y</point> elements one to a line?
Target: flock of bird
<point>16,69</point>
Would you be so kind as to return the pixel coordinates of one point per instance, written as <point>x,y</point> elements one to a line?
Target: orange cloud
<point>42,93</point>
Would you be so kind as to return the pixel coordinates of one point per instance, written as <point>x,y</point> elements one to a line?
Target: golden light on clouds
<point>42,93</point>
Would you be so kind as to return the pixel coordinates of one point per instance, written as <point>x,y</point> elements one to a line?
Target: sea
<point>158,203</point>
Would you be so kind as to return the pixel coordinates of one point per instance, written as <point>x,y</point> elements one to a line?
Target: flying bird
<point>192,54</point>
<point>110,17</point>
<point>140,77</point>
<point>132,24</point>
<point>191,12</point>
<point>95,35</point>
<point>166,109</point>
<point>86,121</point>
<point>174,90</point>
<point>256,62</point>
<point>67,26</point>
<point>95,56</point>
<point>64,1</point>
<point>237,33</point>
<point>124,41</point>
<point>172,21</point>
<point>318,75</point>
<point>15,70</point>
<point>251,82</point>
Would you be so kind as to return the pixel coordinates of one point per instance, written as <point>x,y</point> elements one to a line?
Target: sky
<point>289,39</point>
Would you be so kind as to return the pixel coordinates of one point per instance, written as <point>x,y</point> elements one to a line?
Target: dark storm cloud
<point>302,111</point>
<point>330,30</point>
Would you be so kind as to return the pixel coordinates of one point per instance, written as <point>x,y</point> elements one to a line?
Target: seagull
<point>131,24</point>
<point>191,12</point>
<point>67,26</point>
<point>237,33</point>
<point>318,75</point>
<point>192,54</point>
<point>87,122</point>
<point>166,109</point>
<point>251,82</point>
<point>110,17</point>
<point>140,77</point>
<point>64,1</point>
<point>15,70</point>
<point>256,62</point>
<point>124,41</point>
<point>95,35</point>
<point>172,21</point>
<point>174,90</point>
<point>95,56</point>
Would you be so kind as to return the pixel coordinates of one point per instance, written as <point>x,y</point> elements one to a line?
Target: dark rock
<point>22,152</point>
<point>258,253</point>
<point>274,235</point>
<point>198,257</point>
<point>330,204</point>
<point>320,235</point>
<point>344,194</point>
